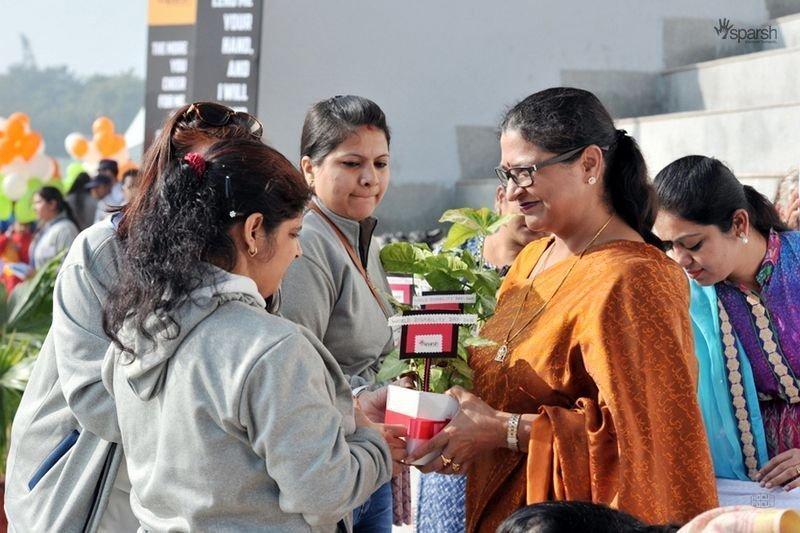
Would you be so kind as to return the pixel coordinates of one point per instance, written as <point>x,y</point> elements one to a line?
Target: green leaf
<point>392,367</point>
<point>31,302</point>
<point>439,381</point>
<point>458,235</point>
<point>478,342</point>
<point>405,258</point>
<point>442,281</point>
<point>499,223</point>
<point>465,216</point>
<point>467,257</point>
<point>461,367</point>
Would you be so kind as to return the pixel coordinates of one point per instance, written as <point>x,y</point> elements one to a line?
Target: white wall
<point>435,66</point>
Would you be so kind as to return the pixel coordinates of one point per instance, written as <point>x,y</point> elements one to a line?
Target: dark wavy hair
<point>329,122</point>
<point>561,119</point>
<point>181,133</point>
<point>51,194</point>
<point>557,517</point>
<point>704,191</point>
<point>185,226</point>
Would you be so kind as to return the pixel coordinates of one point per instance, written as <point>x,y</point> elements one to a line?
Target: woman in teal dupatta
<point>745,306</point>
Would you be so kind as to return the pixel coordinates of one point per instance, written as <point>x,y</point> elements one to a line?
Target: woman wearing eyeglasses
<point>588,392</point>
<point>63,464</point>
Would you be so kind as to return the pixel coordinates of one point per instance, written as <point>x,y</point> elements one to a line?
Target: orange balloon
<point>119,143</point>
<point>30,144</point>
<point>6,153</point>
<point>19,116</point>
<point>15,129</point>
<point>79,148</point>
<point>105,143</point>
<point>102,125</point>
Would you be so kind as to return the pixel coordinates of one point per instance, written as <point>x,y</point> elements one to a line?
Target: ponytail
<point>628,190</point>
<point>51,194</point>
<point>561,119</point>
<point>763,215</point>
<point>703,190</point>
<point>185,226</point>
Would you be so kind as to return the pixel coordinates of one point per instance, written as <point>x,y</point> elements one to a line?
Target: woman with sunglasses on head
<point>338,288</point>
<point>63,461</point>
<point>253,433</point>
<point>744,263</point>
<point>588,392</point>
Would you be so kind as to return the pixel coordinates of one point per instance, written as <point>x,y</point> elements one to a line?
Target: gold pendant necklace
<point>502,352</point>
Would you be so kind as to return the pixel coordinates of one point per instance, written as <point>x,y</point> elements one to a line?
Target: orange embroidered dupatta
<point>609,366</point>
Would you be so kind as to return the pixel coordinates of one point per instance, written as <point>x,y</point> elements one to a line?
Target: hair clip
<point>196,161</point>
<point>229,196</point>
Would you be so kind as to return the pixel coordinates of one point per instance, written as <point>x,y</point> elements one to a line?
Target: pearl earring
<point>592,180</point>
<point>744,238</point>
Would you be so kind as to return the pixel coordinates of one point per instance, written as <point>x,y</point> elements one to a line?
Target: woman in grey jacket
<point>62,469</point>
<point>232,419</point>
<point>338,288</point>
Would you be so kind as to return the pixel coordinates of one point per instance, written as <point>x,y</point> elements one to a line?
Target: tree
<point>59,102</point>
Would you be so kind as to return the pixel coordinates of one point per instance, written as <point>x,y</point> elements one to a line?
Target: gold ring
<point>455,467</point>
<point>445,461</point>
<point>797,469</point>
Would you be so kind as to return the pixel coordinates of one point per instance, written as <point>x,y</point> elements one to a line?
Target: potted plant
<point>454,268</point>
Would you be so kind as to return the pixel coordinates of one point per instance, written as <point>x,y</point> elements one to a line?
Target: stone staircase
<point>736,101</point>
<point>742,109</point>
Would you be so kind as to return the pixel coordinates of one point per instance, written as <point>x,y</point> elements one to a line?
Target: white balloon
<point>69,140</point>
<point>17,166</point>
<point>39,166</point>
<point>15,186</point>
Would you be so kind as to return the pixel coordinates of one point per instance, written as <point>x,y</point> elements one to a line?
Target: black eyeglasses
<point>523,176</point>
<point>217,115</point>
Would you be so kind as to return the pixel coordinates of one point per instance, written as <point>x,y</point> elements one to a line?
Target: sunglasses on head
<point>218,115</point>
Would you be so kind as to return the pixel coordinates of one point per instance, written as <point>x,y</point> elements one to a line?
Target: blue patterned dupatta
<point>726,391</point>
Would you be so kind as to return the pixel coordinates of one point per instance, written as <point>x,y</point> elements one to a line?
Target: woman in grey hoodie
<point>62,469</point>
<point>232,419</point>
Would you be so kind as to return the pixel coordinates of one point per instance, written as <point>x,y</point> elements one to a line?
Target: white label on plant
<point>428,343</point>
<point>398,295</point>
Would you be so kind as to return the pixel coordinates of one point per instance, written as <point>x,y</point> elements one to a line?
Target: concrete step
<point>756,79</point>
<point>689,40</point>
<point>760,142</point>
<point>788,29</point>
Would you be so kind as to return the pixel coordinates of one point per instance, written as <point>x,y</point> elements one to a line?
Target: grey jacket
<point>324,291</point>
<point>63,433</point>
<point>239,420</point>
<point>52,238</point>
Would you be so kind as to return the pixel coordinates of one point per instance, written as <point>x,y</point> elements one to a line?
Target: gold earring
<point>252,252</point>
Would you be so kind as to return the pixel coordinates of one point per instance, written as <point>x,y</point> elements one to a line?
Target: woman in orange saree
<point>589,391</point>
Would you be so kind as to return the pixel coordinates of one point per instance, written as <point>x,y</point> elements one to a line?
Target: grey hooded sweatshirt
<point>239,421</point>
<point>64,458</point>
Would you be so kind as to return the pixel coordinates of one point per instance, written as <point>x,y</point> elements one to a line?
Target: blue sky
<point>89,36</point>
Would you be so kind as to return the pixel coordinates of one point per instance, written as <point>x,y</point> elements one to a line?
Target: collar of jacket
<point>359,234</point>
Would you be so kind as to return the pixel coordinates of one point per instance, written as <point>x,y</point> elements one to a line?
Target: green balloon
<point>73,169</point>
<point>6,206</point>
<point>23,209</point>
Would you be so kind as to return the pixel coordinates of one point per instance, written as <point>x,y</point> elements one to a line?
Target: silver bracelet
<point>512,434</point>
